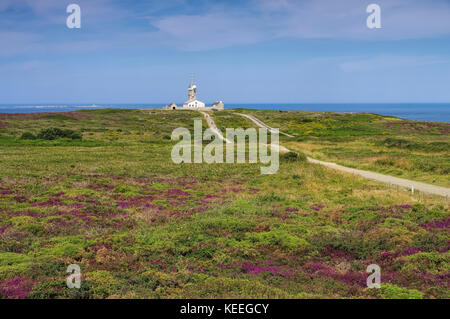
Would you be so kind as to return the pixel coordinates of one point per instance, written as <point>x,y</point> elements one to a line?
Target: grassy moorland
<point>140,226</point>
<point>409,149</point>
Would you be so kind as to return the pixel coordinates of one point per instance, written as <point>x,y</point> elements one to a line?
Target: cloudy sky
<point>240,51</point>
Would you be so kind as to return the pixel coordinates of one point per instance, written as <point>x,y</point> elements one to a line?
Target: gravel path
<point>213,127</point>
<point>413,185</point>
<point>261,124</point>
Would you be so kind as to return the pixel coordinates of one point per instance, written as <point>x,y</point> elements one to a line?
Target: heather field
<point>98,188</point>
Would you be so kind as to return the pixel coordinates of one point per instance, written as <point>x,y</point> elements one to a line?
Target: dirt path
<point>413,185</point>
<point>426,188</point>
<point>213,127</point>
<point>261,124</point>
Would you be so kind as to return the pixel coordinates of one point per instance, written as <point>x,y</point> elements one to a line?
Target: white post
<point>412,189</point>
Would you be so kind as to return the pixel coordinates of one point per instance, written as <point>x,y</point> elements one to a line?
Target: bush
<point>122,189</point>
<point>102,284</point>
<point>211,287</point>
<point>76,136</point>
<point>418,146</point>
<point>389,291</point>
<point>396,142</point>
<point>54,133</point>
<point>278,238</point>
<point>28,136</point>
<point>293,157</point>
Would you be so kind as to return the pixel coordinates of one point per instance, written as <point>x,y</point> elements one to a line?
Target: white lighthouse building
<point>192,102</point>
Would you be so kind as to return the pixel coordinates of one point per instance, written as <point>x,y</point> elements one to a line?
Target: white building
<point>193,103</point>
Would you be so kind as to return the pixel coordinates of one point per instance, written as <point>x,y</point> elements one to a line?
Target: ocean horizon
<point>412,111</point>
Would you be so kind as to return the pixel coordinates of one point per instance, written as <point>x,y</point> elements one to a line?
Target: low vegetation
<point>140,226</point>
<point>409,149</point>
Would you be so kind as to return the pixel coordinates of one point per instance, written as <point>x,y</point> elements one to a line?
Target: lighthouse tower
<point>192,101</point>
<point>192,92</point>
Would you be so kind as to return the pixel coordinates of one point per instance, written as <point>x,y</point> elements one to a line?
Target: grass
<point>140,226</point>
<point>409,149</point>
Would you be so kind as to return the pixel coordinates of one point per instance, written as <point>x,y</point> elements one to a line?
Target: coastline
<point>428,112</point>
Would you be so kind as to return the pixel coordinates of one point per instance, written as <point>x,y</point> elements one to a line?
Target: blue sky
<point>240,51</point>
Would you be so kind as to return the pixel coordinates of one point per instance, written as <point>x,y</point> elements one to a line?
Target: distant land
<point>411,111</point>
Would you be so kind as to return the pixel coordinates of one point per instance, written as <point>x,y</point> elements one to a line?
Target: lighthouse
<point>192,92</point>
<point>192,101</point>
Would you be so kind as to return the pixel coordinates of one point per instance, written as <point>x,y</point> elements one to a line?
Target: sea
<point>411,111</point>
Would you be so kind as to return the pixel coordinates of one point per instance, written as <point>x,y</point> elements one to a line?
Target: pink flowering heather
<point>58,194</point>
<point>410,251</point>
<point>349,278</point>
<point>3,228</point>
<point>256,269</point>
<point>212,196</point>
<point>174,192</point>
<point>335,253</point>
<point>17,288</point>
<point>406,206</point>
<point>50,202</point>
<point>158,263</point>
<point>317,207</point>
<point>438,224</point>
<point>388,255</point>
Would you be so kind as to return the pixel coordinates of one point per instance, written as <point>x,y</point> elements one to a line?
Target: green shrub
<point>54,133</point>
<point>396,142</point>
<point>13,263</point>
<point>419,146</point>
<point>389,291</point>
<point>48,289</point>
<point>293,157</point>
<point>122,189</point>
<point>28,224</point>
<point>356,242</point>
<point>102,284</point>
<point>433,262</point>
<point>278,238</point>
<point>211,287</point>
<point>28,136</point>
<point>429,241</point>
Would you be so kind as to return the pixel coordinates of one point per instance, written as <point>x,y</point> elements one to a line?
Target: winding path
<point>261,124</point>
<point>413,185</point>
<point>213,127</point>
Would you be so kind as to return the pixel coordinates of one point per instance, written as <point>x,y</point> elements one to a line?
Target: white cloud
<point>216,26</point>
<point>273,19</point>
